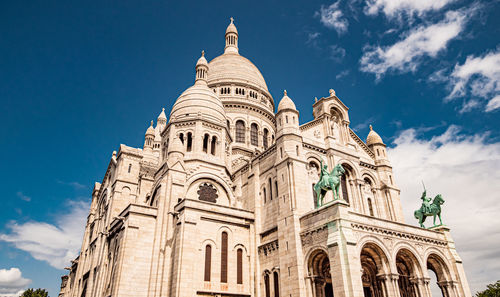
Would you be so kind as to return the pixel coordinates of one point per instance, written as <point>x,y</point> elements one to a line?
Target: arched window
<point>208,262</point>
<point>254,134</point>
<point>181,137</point>
<point>205,143</point>
<point>370,207</point>
<point>276,282</point>
<point>223,258</point>
<point>270,189</point>
<point>239,266</point>
<point>213,145</point>
<point>343,183</point>
<point>189,141</point>
<point>264,194</point>
<point>276,187</point>
<point>266,285</point>
<point>264,139</point>
<point>240,131</point>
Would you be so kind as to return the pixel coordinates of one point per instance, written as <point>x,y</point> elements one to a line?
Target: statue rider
<point>426,202</point>
<point>324,173</point>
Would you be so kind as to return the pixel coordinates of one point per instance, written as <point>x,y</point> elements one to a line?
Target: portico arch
<point>375,269</point>
<point>409,273</point>
<point>319,274</point>
<point>437,264</point>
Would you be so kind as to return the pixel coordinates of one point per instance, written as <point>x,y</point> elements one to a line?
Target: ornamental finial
<point>332,92</point>
<point>371,128</point>
<point>203,53</point>
<point>151,123</point>
<point>284,92</point>
<point>232,19</point>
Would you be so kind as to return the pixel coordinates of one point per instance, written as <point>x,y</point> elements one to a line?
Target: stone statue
<point>335,127</point>
<point>328,181</point>
<point>429,209</point>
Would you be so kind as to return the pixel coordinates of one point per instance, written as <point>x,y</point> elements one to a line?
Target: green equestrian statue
<point>429,208</point>
<point>328,181</point>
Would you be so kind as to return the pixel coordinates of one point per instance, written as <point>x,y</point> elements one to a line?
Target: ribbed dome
<point>286,103</point>
<point>231,67</point>
<point>373,137</point>
<point>198,99</point>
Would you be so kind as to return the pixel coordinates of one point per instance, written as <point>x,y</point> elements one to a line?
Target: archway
<point>409,272</point>
<point>440,276</point>
<point>319,272</point>
<point>374,265</point>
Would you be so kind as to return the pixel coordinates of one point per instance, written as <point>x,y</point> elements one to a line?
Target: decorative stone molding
<point>398,234</point>
<point>361,143</point>
<point>268,248</point>
<point>318,235</point>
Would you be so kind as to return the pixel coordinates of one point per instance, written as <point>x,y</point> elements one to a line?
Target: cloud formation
<point>12,283</point>
<point>22,196</point>
<point>56,244</point>
<point>406,54</point>
<point>396,8</point>
<point>464,168</point>
<point>333,18</point>
<point>479,77</point>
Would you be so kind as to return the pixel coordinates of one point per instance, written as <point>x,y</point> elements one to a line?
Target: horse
<point>435,211</point>
<point>332,183</point>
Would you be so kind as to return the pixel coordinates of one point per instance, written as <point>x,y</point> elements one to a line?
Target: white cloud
<point>12,283</point>
<point>337,53</point>
<point>57,243</point>
<point>493,104</point>
<point>342,74</point>
<point>395,8</point>
<point>333,18</point>
<point>407,54</point>
<point>479,77</point>
<point>22,196</point>
<point>465,170</point>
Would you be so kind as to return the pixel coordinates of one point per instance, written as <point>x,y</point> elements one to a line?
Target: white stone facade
<point>219,202</point>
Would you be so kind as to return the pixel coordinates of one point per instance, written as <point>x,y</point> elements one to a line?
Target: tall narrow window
<point>205,142</point>
<point>129,167</point>
<point>276,187</point>
<point>181,136</point>
<point>343,182</point>
<point>266,285</point>
<point>314,196</point>
<point>240,131</point>
<point>239,266</point>
<point>270,189</point>
<point>276,281</point>
<point>264,194</point>
<point>189,141</point>
<point>223,258</point>
<point>213,145</point>
<point>208,262</point>
<point>254,135</point>
<point>370,206</point>
<point>264,139</point>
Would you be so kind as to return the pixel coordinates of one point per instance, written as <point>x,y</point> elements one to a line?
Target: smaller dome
<point>176,146</point>
<point>202,60</point>
<point>286,103</point>
<point>151,130</point>
<point>373,137</point>
<point>231,28</point>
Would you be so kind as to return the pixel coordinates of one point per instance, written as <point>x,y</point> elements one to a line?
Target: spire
<point>231,38</point>
<point>201,69</point>
<point>162,118</point>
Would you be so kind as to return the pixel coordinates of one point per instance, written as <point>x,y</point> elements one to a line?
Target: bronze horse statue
<point>328,181</point>
<point>434,210</point>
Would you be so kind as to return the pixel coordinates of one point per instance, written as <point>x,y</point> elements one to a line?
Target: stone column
<point>382,278</point>
<point>394,287</point>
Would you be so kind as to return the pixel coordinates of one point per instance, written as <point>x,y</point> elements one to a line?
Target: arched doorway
<point>374,266</point>
<point>440,286</point>
<point>409,272</point>
<point>319,273</point>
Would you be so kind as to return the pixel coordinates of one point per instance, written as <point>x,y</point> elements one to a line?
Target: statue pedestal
<point>440,228</point>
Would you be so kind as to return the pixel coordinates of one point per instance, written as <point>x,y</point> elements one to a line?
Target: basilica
<point>220,201</point>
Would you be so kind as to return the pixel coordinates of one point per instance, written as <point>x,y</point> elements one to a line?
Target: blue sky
<point>79,78</point>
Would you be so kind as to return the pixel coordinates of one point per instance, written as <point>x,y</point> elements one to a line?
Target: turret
<point>201,70</point>
<point>375,143</point>
<point>231,38</point>
<point>287,117</point>
<point>149,138</point>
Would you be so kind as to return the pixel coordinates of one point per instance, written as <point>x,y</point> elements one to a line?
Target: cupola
<point>231,38</point>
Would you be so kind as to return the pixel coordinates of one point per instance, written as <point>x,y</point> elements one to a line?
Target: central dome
<point>231,67</point>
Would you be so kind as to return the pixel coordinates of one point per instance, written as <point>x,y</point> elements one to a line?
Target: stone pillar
<point>394,287</point>
<point>383,284</point>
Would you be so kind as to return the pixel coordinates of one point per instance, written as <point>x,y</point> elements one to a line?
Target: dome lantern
<point>373,137</point>
<point>231,38</point>
<point>201,69</point>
